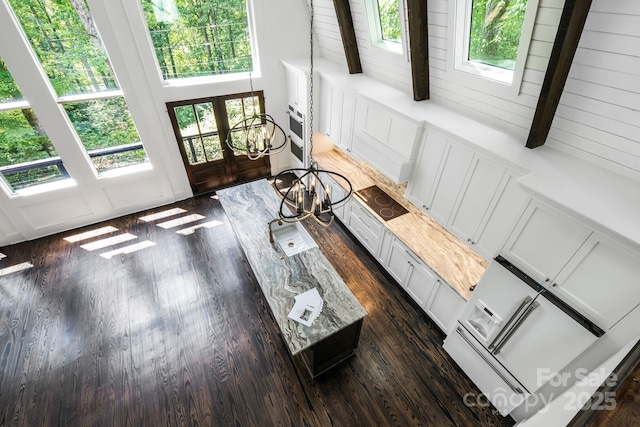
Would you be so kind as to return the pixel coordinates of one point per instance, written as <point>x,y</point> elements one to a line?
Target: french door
<point>202,126</point>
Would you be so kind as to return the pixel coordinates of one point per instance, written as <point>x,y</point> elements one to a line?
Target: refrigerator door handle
<point>506,327</point>
<point>516,325</point>
<point>505,379</point>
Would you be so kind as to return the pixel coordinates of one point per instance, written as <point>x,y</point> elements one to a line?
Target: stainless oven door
<point>296,123</point>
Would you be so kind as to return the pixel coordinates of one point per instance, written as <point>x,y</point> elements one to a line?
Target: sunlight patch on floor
<point>128,249</point>
<point>190,230</point>
<point>90,234</point>
<point>15,268</point>
<point>163,214</point>
<point>181,221</point>
<point>108,241</point>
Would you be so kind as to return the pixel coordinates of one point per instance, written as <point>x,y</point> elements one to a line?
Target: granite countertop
<point>250,207</point>
<point>452,260</point>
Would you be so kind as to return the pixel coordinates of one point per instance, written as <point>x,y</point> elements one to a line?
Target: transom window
<point>203,38</point>
<point>492,37</point>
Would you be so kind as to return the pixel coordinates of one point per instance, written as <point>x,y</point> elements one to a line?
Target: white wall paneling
<point>598,117</point>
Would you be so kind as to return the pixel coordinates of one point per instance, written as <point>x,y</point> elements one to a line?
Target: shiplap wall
<point>598,118</point>
<point>514,112</point>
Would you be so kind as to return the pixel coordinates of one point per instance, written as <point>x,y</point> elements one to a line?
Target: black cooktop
<point>381,203</point>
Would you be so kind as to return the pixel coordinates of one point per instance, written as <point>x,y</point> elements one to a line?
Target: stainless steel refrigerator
<point>514,336</point>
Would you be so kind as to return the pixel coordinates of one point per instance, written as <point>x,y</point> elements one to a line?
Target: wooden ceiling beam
<point>574,16</point>
<point>419,48</point>
<point>348,34</point>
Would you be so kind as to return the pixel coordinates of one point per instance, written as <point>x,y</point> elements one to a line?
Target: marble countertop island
<point>250,207</point>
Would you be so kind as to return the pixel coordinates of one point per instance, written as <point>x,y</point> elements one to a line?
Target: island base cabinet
<point>444,306</point>
<point>333,350</point>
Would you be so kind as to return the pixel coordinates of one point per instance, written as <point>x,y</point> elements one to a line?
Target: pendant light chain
<point>308,196</point>
<point>311,13</point>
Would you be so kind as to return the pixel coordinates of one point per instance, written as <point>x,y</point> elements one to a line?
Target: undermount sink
<point>292,238</point>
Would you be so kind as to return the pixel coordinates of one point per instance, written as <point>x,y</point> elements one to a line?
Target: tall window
<point>27,157</point>
<point>492,37</point>
<point>202,38</point>
<point>70,50</point>
<point>386,28</point>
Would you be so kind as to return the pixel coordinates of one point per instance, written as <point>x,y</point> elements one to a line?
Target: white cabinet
<point>500,218</point>
<point>336,114</point>
<point>410,272</point>
<point>297,88</point>
<point>398,262</point>
<point>338,193</point>
<point>473,196</point>
<point>385,139</point>
<point>454,166</point>
<point>543,241</point>
<point>365,226</point>
<point>385,245</point>
<point>477,194</point>
<point>441,171</point>
<point>426,171</point>
<point>602,280</point>
<point>444,306</point>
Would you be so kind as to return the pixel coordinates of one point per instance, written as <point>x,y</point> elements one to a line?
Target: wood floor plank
<point>179,333</point>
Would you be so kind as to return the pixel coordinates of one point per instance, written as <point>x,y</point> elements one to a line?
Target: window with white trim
<point>492,37</point>
<point>199,39</point>
<point>27,157</point>
<point>70,55</point>
<point>385,19</point>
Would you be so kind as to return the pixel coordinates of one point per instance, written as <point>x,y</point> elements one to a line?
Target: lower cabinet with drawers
<point>439,300</point>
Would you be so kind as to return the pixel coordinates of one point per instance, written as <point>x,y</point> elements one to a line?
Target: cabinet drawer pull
<point>412,256</point>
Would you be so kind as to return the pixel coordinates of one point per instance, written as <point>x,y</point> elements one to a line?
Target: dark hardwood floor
<point>179,334</point>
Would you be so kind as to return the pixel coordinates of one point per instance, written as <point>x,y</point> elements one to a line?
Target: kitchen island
<point>334,335</point>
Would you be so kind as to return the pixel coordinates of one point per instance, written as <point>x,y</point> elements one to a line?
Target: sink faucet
<point>271,230</point>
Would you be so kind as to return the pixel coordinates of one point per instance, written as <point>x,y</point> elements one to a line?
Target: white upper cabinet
<point>426,171</point>
<point>478,191</point>
<point>336,114</point>
<point>603,279</point>
<point>385,139</point>
<point>504,211</point>
<point>297,88</point>
<point>454,166</point>
<point>473,196</point>
<point>543,242</point>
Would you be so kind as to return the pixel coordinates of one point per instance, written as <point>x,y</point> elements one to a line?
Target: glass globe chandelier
<point>308,196</point>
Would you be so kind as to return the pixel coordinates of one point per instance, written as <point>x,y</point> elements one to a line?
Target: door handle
<point>506,327</point>
<point>516,326</point>
<point>505,379</point>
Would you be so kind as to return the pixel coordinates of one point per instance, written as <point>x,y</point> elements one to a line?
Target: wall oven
<point>298,137</point>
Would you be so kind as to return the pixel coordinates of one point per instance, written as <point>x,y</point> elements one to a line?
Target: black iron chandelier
<point>308,196</point>
<point>258,134</point>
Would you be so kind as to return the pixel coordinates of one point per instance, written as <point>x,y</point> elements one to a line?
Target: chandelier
<point>258,134</point>
<point>308,196</point>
